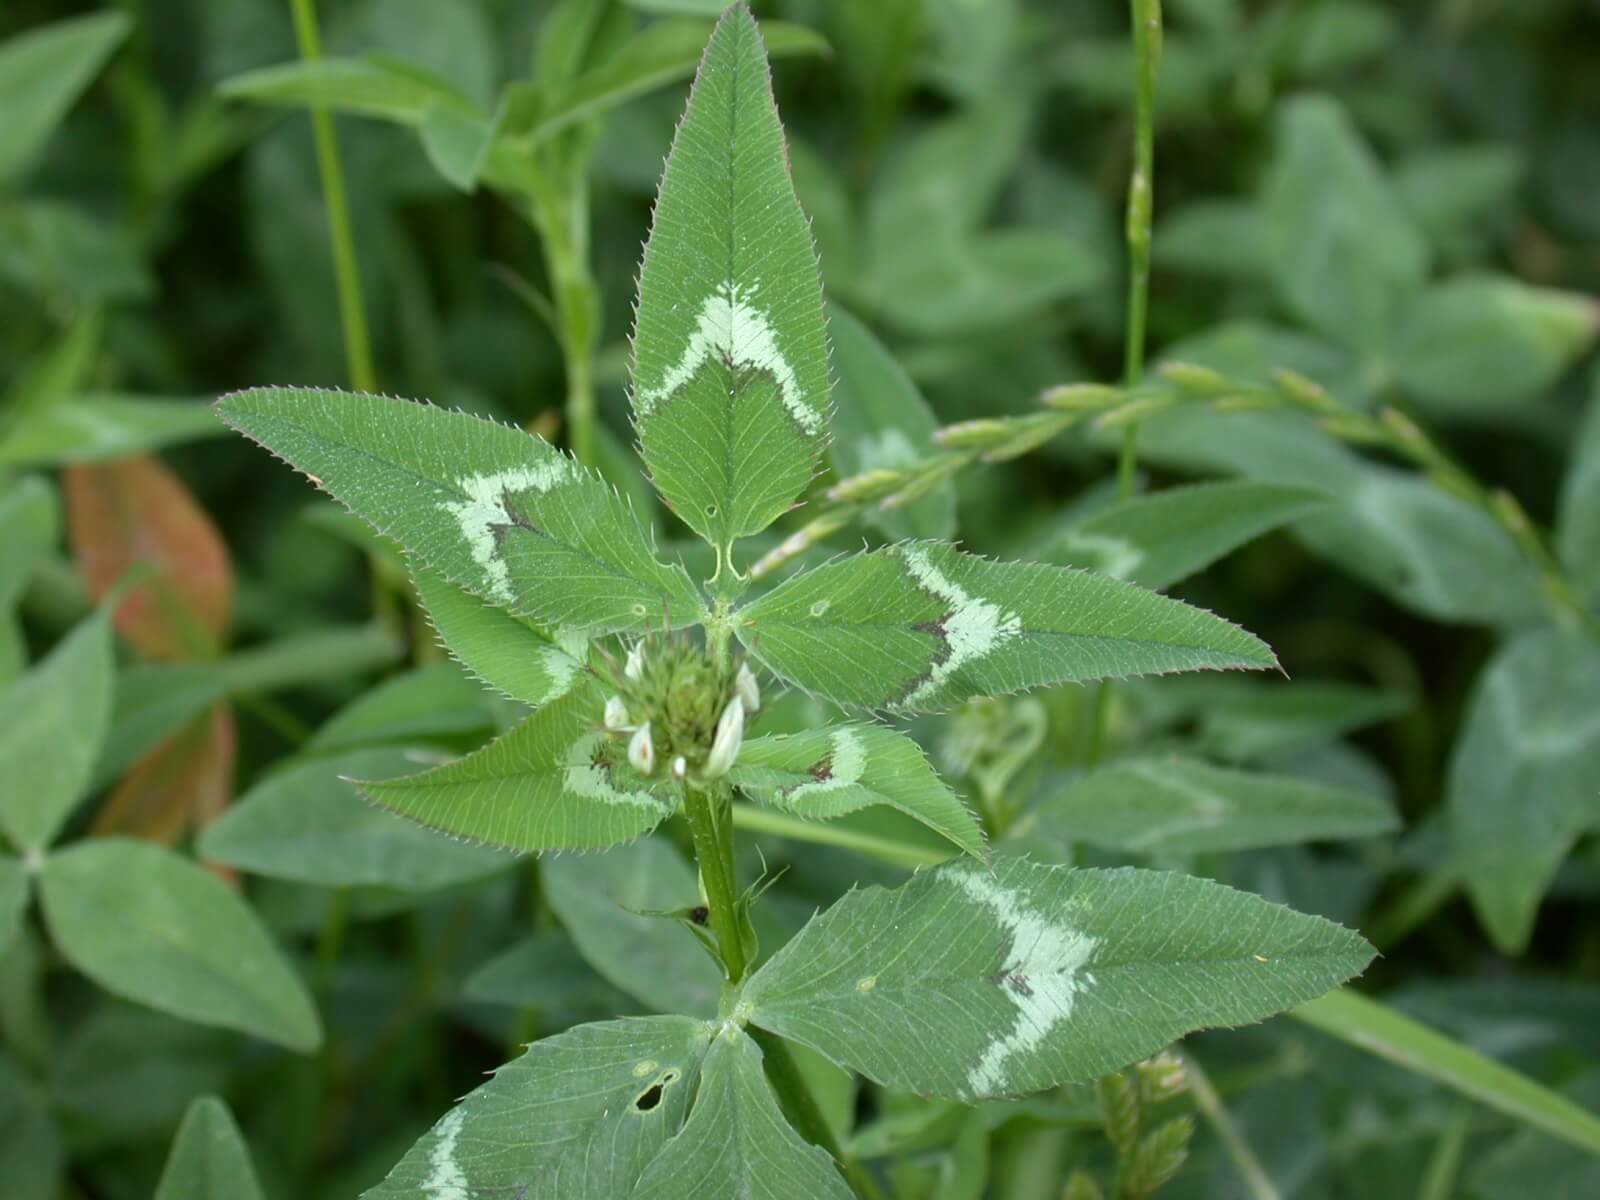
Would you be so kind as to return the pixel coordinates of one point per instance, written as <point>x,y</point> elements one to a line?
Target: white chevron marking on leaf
<point>594,783</point>
<point>973,628</point>
<point>1042,974</point>
<point>730,328</point>
<point>847,761</point>
<point>485,507</point>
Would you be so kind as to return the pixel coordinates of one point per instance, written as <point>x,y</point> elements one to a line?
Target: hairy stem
<point>711,827</point>
<point>347,276</point>
<point>560,211</point>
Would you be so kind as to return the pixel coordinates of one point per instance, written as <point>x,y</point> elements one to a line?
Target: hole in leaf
<point>711,510</point>
<point>651,1096</point>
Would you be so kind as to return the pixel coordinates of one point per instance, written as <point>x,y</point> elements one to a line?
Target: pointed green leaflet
<point>736,1141</point>
<point>496,511</point>
<point>1026,976</point>
<point>730,377</point>
<point>921,627</point>
<point>578,1117</point>
<point>555,782</point>
<point>825,773</point>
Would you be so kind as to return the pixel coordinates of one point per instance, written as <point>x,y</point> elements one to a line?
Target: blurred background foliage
<point>1397,201</point>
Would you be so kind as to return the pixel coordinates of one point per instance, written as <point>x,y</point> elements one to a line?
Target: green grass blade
<point>1378,1029</point>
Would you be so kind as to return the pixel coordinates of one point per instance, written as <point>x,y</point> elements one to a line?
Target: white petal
<point>642,751</point>
<point>746,688</point>
<point>729,737</point>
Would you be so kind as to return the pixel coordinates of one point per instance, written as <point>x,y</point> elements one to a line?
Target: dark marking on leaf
<point>1019,984</point>
<point>649,1098</point>
<point>699,914</point>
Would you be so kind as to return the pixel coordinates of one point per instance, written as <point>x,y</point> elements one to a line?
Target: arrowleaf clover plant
<point>986,977</point>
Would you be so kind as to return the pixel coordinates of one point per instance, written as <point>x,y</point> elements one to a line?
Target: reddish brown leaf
<point>185,781</point>
<point>135,511</point>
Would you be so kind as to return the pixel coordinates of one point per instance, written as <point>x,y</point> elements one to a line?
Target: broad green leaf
<point>30,525</point>
<point>881,421</point>
<point>601,901</point>
<point>43,71</point>
<point>1243,720</point>
<point>1342,251</point>
<point>1162,539</point>
<point>545,971</point>
<point>150,925</point>
<point>1027,976</point>
<point>504,652</point>
<point>1451,191</point>
<point>149,704</point>
<point>307,824</point>
<point>555,782</point>
<point>661,53</point>
<point>1431,552</point>
<point>32,1158</point>
<point>920,627</point>
<point>494,510</point>
<point>435,701</point>
<point>1377,1029</point>
<point>60,252</point>
<point>458,143</point>
<point>91,428</point>
<point>52,722</point>
<point>376,86</point>
<point>1487,343</point>
<point>578,1117</point>
<point>707,8</point>
<point>1324,37</point>
<point>826,773</point>
<point>1578,529</point>
<point>1184,806</point>
<point>1525,776</point>
<point>209,1157</point>
<point>949,285</point>
<point>736,1141</point>
<point>13,899</point>
<point>730,366</point>
<point>129,1072</point>
<point>1216,237</point>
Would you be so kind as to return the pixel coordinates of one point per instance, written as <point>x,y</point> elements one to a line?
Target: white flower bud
<point>616,714</point>
<point>725,744</point>
<point>642,751</point>
<point>680,768</point>
<point>746,688</point>
<point>634,667</point>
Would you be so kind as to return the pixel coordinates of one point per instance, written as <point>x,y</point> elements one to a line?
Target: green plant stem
<point>711,827</point>
<point>559,209</point>
<point>800,1106</point>
<point>1146,18</point>
<point>1256,1180</point>
<point>1444,1165</point>
<point>347,276</point>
